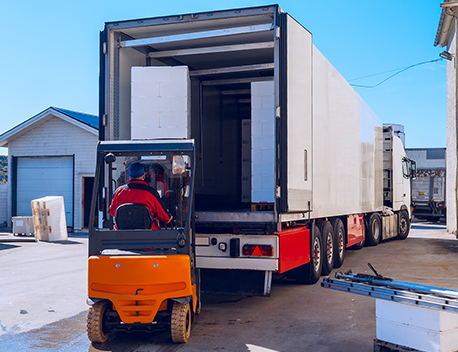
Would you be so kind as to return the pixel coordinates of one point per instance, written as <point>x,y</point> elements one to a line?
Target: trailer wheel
<point>373,230</point>
<point>180,324</point>
<point>403,225</point>
<point>339,240</point>
<point>97,330</point>
<point>328,247</point>
<point>310,273</point>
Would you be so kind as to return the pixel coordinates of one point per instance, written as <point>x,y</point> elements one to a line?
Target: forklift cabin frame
<point>169,240</point>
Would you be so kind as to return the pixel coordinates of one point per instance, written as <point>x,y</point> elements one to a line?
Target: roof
<point>85,121</point>
<point>446,25</point>
<point>90,120</point>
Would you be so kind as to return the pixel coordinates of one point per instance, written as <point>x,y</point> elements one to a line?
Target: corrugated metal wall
<point>3,202</point>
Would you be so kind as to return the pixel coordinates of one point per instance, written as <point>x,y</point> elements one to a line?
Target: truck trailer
<point>428,189</point>
<point>291,166</point>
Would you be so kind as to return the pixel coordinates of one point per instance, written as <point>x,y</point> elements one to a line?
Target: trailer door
<point>295,116</point>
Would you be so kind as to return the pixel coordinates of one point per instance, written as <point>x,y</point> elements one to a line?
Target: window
<point>435,154</point>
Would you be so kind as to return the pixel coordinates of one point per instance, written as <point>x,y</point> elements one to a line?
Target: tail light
<point>260,250</point>
<point>440,205</point>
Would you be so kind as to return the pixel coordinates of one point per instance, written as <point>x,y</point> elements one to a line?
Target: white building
<point>446,37</point>
<point>52,154</point>
<point>428,158</point>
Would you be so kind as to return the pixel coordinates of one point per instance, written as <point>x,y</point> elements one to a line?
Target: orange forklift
<point>138,278</point>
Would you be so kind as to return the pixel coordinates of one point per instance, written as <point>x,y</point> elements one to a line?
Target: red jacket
<point>139,196</point>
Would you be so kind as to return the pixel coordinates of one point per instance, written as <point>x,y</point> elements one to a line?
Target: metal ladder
<point>378,286</point>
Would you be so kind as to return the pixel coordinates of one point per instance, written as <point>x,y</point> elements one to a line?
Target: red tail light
<point>260,250</point>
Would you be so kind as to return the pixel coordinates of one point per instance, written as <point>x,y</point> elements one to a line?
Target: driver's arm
<point>159,211</point>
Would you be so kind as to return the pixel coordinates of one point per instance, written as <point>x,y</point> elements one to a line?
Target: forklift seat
<point>132,216</point>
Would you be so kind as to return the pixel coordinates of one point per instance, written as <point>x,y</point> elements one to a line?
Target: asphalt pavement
<point>43,301</point>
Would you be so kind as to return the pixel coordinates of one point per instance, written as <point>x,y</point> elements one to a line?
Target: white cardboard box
<point>160,102</point>
<point>263,142</point>
<point>424,329</point>
<point>49,218</point>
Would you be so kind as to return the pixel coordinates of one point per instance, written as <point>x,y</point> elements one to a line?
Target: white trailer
<point>292,166</point>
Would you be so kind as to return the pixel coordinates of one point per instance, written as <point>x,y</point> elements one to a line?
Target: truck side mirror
<point>413,168</point>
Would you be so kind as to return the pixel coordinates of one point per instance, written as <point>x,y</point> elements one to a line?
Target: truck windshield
<point>169,175</point>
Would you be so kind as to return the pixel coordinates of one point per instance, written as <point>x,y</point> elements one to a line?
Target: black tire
<point>310,273</point>
<point>180,322</point>
<point>373,230</point>
<point>327,233</point>
<point>96,322</point>
<point>340,244</point>
<point>403,225</point>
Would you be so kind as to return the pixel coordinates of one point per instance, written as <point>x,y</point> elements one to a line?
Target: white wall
<point>58,137</point>
<point>451,157</point>
<point>421,157</point>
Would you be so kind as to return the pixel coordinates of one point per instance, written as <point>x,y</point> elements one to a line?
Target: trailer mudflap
<point>294,248</point>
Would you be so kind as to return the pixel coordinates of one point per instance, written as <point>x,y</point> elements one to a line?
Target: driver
<point>137,191</point>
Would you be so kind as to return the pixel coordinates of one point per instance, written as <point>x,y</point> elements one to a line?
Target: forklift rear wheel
<point>95,322</point>
<point>180,322</point>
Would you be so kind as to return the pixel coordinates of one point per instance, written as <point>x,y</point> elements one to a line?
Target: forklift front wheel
<point>95,322</point>
<point>180,322</point>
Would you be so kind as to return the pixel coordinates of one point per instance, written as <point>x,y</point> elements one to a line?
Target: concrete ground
<point>41,282</point>
<point>43,306</point>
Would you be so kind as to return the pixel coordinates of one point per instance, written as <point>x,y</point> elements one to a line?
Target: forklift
<point>139,278</point>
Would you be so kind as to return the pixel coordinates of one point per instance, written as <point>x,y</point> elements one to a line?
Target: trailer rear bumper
<point>289,249</point>
<point>270,264</point>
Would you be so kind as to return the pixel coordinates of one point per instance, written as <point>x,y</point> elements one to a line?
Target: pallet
<point>262,206</point>
<point>383,346</point>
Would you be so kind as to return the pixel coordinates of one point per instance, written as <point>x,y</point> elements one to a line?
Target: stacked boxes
<point>49,219</point>
<point>160,105</point>
<point>262,142</point>
<point>246,161</point>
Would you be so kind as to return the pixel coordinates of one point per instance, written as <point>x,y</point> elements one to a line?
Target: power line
<point>395,74</point>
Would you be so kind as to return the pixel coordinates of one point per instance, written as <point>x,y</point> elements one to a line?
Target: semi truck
<point>291,166</point>
<point>428,189</point>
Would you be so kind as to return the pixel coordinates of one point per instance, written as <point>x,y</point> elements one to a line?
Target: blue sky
<point>49,54</point>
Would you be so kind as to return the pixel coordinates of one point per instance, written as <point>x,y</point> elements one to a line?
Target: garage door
<point>41,177</point>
